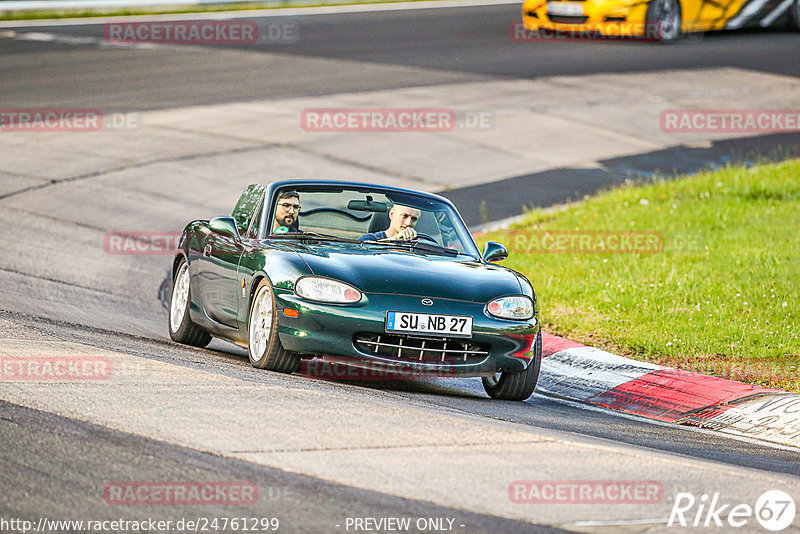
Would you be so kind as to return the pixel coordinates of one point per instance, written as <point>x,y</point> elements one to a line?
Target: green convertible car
<point>334,279</point>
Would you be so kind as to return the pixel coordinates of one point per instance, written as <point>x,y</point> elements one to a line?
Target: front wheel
<point>181,327</point>
<point>516,386</point>
<point>663,20</point>
<point>263,346</point>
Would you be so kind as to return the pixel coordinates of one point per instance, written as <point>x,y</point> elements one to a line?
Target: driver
<point>402,220</point>
<point>287,211</point>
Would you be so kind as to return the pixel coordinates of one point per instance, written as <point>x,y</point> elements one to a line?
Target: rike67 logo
<point>774,510</point>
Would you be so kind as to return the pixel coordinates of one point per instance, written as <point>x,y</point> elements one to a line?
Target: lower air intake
<point>419,349</point>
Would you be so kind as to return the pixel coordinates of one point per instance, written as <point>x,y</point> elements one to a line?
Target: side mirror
<point>494,251</point>
<point>225,227</point>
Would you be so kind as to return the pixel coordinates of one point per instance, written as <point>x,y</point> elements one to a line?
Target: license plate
<point>568,9</point>
<point>431,324</point>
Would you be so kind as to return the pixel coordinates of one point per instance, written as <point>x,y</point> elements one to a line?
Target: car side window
<point>252,230</point>
<point>247,205</point>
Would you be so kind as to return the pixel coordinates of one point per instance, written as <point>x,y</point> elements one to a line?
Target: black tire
<point>794,15</point>
<point>663,21</point>
<point>516,386</point>
<point>181,327</point>
<point>271,355</point>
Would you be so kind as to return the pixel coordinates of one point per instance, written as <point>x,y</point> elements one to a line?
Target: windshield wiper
<point>413,245</point>
<point>417,245</point>
<point>312,235</point>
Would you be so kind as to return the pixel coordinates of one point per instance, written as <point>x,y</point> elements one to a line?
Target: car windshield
<point>353,214</point>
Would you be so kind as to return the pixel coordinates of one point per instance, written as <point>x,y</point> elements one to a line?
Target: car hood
<point>384,270</point>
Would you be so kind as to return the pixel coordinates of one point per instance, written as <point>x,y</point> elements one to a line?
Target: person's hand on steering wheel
<point>407,234</point>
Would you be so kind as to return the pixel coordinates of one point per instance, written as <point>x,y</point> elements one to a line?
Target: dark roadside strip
<point>485,203</point>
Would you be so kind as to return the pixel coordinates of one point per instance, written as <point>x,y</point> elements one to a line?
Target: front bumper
<point>612,18</point>
<point>332,331</point>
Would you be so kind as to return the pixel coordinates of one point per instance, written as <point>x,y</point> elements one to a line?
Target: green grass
<point>167,10</point>
<point>720,298</point>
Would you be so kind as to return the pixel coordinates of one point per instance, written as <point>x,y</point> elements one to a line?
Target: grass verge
<point>708,281</point>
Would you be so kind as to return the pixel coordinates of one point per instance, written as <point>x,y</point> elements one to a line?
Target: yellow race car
<point>659,20</point>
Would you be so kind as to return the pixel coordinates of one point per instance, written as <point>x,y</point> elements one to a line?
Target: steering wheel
<point>426,236</point>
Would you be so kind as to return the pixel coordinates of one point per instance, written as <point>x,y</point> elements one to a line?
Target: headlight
<point>517,307</point>
<point>326,290</point>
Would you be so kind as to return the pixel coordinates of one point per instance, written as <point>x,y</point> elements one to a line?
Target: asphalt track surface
<point>52,463</point>
<point>392,49</point>
<point>65,463</point>
<point>461,44</point>
<point>314,505</point>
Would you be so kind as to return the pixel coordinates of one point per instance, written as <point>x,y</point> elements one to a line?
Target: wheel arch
<point>253,286</point>
<point>177,261</point>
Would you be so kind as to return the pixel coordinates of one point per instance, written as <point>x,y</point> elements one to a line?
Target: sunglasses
<point>287,206</point>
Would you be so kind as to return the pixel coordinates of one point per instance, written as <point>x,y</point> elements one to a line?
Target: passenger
<point>402,220</point>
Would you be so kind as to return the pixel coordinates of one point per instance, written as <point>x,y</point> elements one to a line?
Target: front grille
<point>567,19</point>
<point>417,349</point>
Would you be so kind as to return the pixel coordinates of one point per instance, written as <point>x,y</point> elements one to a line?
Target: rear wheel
<point>663,20</point>
<point>181,327</point>
<point>795,14</point>
<point>263,345</point>
<point>516,386</point>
